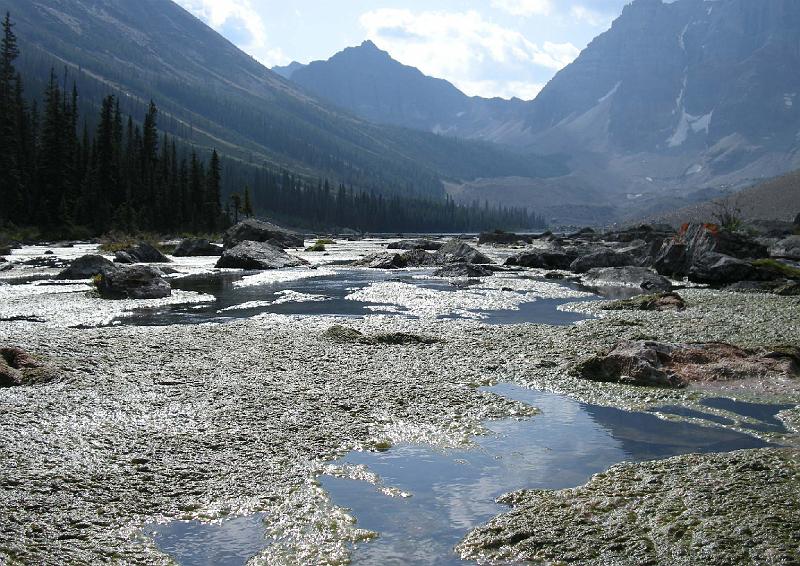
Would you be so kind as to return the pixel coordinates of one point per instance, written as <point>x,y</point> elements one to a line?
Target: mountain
<point>675,101</point>
<point>368,82</point>
<point>287,71</point>
<point>211,94</point>
<point>684,94</point>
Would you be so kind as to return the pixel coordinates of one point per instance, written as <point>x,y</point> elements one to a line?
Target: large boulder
<point>658,364</point>
<point>418,258</point>
<point>456,251</point>
<point>788,248</point>
<point>461,270</point>
<point>133,282</point>
<point>500,238</point>
<point>677,256</point>
<point>541,259</point>
<point>86,267</point>
<point>258,255</point>
<point>605,258</point>
<point>194,247</point>
<point>638,277</point>
<point>252,230</point>
<point>382,260</point>
<point>718,269</point>
<point>429,245</point>
<point>141,253</point>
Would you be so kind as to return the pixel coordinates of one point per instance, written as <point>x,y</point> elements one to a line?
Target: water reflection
<point>454,491</point>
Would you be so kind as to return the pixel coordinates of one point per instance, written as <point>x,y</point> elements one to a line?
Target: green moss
<point>777,267</point>
<point>318,247</point>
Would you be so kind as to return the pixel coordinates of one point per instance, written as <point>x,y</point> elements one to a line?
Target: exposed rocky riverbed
<point>152,423</point>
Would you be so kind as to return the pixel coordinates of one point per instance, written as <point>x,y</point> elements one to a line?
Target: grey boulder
<point>456,251</point>
<point>605,258</point>
<point>197,248</point>
<point>788,248</point>
<point>467,270</point>
<point>134,282</point>
<point>258,255</point>
<point>252,230</point>
<point>86,267</point>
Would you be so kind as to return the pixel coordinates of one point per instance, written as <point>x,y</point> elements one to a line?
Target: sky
<point>487,48</point>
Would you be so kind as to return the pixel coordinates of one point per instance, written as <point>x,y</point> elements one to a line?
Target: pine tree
<point>10,181</point>
<point>213,194</point>
<point>247,209</point>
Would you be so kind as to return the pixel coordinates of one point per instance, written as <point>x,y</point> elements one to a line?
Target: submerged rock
<point>18,367</point>
<point>639,277</point>
<point>252,230</point>
<point>346,335</point>
<point>467,270</point>
<point>739,507</point>
<point>656,302</point>
<point>455,251</point>
<point>604,258</point>
<point>660,364</point>
<point>429,245</point>
<point>258,255</point>
<point>86,267</point>
<point>133,282</point>
<point>197,248</point>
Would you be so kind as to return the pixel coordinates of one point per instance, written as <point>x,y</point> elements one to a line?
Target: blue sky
<point>489,48</point>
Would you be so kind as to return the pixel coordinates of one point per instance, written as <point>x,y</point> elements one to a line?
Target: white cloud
<point>525,8</point>
<point>221,13</point>
<point>591,17</point>
<point>462,46</point>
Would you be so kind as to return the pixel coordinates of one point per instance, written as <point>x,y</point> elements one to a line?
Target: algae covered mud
<point>226,423</point>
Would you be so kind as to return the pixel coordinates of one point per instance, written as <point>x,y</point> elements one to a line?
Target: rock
<point>605,258</point>
<point>6,266</point>
<point>346,335</point>
<point>141,253</point>
<point>678,256</point>
<point>253,230</point>
<point>640,277</point>
<point>49,252</point>
<point>500,238</point>
<point>455,251</point>
<point>124,258</point>
<point>645,232</point>
<point>583,233</point>
<point>784,288</point>
<point>86,267</point>
<point>257,255</point>
<point>788,248</point>
<point>541,259</point>
<point>467,270</point>
<point>718,269</point>
<point>5,250</point>
<point>675,365</point>
<point>18,367</point>
<point>656,302</point>
<point>133,282</point>
<point>197,248</point>
<point>771,228</point>
<point>554,275</point>
<point>429,245</point>
<point>419,258</point>
<point>382,260</point>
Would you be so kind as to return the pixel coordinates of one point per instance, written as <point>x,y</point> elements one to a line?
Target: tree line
<point>120,176</point>
<point>67,178</point>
